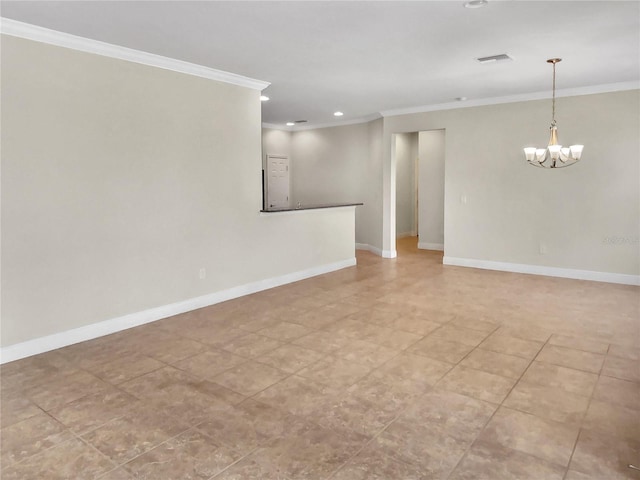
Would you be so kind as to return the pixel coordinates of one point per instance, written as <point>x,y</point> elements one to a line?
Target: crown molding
<point>66,40</point>
<point>524,97</point>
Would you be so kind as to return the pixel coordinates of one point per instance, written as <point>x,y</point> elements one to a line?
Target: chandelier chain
<point>553,102</point>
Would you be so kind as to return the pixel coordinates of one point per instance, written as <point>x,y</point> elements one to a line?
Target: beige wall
<point>120,181</point>
<point>276,142</point>
<point>513,207</point>
<point>406,159</point>
<point>585,217</point>
<point>431,189</point>
<point>338,164</point>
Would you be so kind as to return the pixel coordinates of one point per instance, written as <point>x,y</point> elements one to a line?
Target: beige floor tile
<point>620,351</point>
<point>251,345</point>
<point>474,323</point>
<point>574,475</point>
<point>502,343</point>
<point>117,474</point>
<point>14,408</point>
<point>214,335</point>
<point>72,459</point>
<point>92,411</point>
<point>137,432</point>
<point>375,465</point>
<point>622,368</point>
<point>255,323</point>
<point>413,324</point>
<point>391,392</point>
<point>28,437</point>
<point>350,412</point>
<point>415,369</point>
<point>526,332</point>
<point>618,392</point>
<point>177,393</point>
<point>508,366</point>
<point>487,461</point>
<point>390,338</point>
<point>285,331</point>
<point>458,334</point>
<point>314,453</point>
<point>191,453</point>
<point>603,456</point>
<point>355,329</point>
<point>574,381</point>
<point>613,419</point>
<point>457,416</point>
<point>174,349</point>
<point>249,378</point>
<point>552,403</point>
<point>571,358</point>
<point>434,453</point>
<point>578,343</point>
<point>366,353</point>
<point>316,319</point>
<point>335,371</point>
<point>322,341</point>
<point>290,358</point>
<point>125,368</point>
<point>298,395</point>
<point>210,363</point>
<point>547,440</point>
<point>247,426</point>
<point>440,349</point>
<point>67,389</point>
<point>376,316</point>
<point>477,384</point>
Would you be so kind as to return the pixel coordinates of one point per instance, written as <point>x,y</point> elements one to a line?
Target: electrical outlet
<point>202,273</point>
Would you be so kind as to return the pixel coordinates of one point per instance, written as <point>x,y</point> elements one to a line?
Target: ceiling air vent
<point>300,121</point>
<point>503,57</point>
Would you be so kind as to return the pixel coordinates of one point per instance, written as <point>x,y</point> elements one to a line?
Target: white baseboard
<point>607,277</point>
<point>369,248</point>
<point>412,233</point>
<point>431,246</point>
<point>376,250</point>
<point>106,327</point>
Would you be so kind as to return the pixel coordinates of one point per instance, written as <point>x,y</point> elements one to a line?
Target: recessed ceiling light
<point>475,4</point>
<point>461,99</point>
<point>338,114</point>
<point>290,124</point>
<point>264,98</point>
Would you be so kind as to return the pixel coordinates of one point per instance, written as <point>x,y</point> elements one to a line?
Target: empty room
<point>346,240</point>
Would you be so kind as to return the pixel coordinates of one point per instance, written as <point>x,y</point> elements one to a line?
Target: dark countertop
<point>310,207</point>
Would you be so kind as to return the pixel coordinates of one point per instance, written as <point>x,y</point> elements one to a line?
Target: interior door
<point>277,181</point>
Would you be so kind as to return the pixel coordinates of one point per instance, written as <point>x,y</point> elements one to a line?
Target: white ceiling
<point>368,57</point>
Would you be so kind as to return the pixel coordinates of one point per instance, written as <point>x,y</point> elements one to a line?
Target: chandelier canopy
<point>548,157</point>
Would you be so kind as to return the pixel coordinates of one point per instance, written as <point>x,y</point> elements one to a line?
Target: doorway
<point>419,175</point>
<point>277,182</point>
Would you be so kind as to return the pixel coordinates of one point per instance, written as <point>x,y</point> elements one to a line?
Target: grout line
<point>584,415</point>
<point>500,405</point>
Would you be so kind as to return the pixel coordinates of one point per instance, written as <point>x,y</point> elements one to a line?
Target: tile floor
<point>394,369</point>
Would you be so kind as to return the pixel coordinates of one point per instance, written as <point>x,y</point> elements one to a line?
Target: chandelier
<point>548,157</point>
